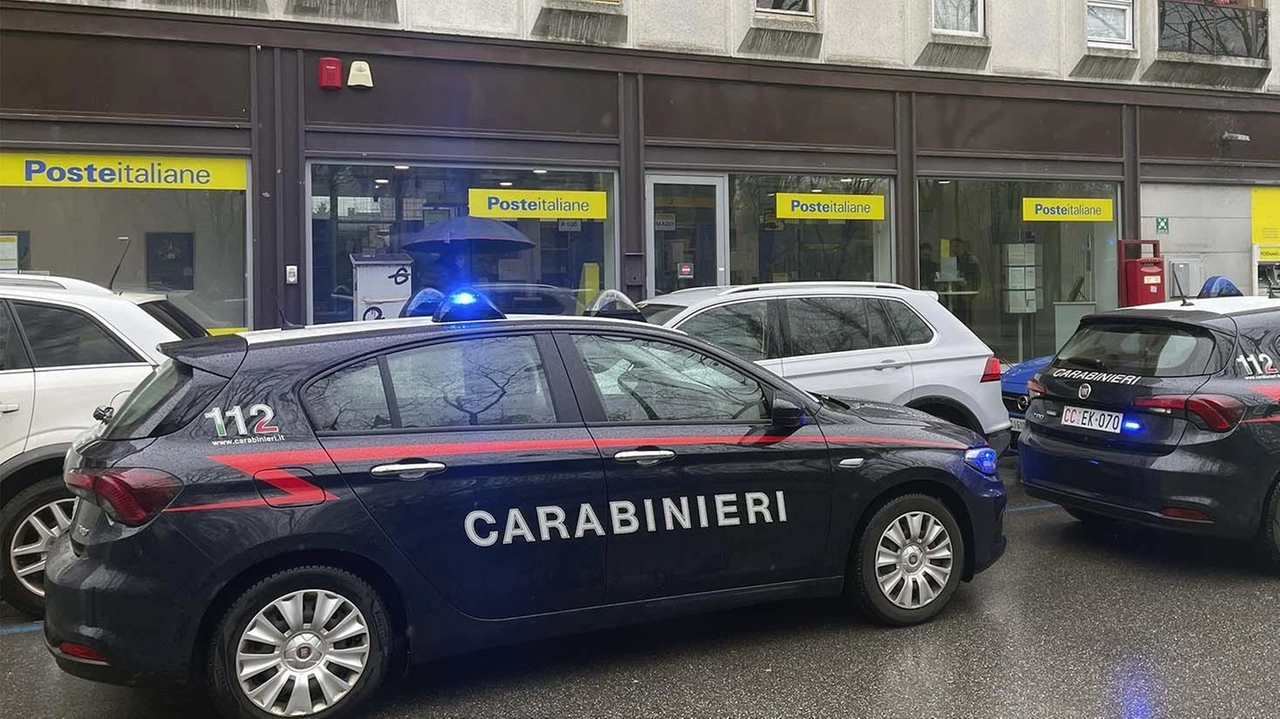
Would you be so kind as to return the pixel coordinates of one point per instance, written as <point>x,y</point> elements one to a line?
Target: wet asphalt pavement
<point>1128,623</point>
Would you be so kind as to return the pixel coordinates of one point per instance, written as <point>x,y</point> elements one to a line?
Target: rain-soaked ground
<point>1130,624</point>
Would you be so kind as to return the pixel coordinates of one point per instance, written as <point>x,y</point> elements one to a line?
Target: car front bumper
<point>986,502</point>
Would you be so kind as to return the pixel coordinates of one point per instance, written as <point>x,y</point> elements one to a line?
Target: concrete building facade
<point>996,152</point>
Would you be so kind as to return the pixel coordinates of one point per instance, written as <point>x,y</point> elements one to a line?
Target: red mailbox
<point>1142,279</point>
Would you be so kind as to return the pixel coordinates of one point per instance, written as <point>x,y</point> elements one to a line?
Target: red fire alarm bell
<point>331,73</point>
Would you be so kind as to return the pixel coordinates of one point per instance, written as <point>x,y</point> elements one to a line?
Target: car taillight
<point>1210,411</point>
<point>80,651</point>
<point>129,496</point>
<point>991,373</point>
<point>1035,389</point>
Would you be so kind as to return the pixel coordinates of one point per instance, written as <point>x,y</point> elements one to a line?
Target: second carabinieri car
<point>290,514</point>
<point>1166,415</point>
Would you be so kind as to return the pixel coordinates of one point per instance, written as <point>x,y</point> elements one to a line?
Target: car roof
<point>346,330</point>
<point>123,315</point>
<point>1218,305</point>
<point>70,286</point>
<point>1207,310</point>
<point>703,295</point>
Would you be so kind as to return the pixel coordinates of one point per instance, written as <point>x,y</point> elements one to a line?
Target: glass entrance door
<point>687,230</point>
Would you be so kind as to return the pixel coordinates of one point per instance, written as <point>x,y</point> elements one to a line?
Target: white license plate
<point>1019,424</point>
<point>1094,419</point>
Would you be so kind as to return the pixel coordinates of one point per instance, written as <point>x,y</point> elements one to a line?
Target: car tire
<point>1270,534</point>
<point>1091,519</point>
<point>925,579</point>
<point>352,646</point>
<point>43,508</point>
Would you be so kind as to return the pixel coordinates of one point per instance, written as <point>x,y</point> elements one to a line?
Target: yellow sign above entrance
<point>1269,253</point>
<point>1067,209</point>
<point>794,206</point>
<point>122,172</point>
<point>1266,215</point>
<point>538,204</point>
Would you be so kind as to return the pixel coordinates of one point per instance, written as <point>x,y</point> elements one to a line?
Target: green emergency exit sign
<point>1162,225</point>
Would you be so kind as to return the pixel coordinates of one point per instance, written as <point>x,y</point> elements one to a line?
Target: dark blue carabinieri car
<point>288,515</point>
<point>1165,415</point>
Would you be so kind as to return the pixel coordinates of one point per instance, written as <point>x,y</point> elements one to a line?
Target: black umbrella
<point>471,235</point>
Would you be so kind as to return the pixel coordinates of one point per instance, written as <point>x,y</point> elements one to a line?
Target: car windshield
<point>659,313</point>
<point>1148,350</point>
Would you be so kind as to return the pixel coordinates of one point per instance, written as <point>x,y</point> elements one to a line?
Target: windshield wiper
<point>1090,362</point>
<point>828,399</point>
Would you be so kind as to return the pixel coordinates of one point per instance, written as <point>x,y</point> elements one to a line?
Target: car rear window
<point>174,319</point>
<point>1148,350</point>
<point>658,314</point>
<point>166,401</point>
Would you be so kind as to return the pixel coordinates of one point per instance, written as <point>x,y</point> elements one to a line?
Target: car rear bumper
<point>1136,488</point>
<point>131,620</point>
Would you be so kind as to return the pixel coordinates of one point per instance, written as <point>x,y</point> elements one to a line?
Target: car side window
<point>642,380</point>
<point>912,329</point>
<point>482,381</point>
<point>63,337</point>
<point>352,399</point>
<point>880,327</point>
<point>820,325</point>
<point>12,354</point>
<point>741,328</point>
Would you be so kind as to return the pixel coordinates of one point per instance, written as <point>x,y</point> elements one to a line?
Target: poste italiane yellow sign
<point>793,206</point>
<point>1067,209</point>
<point>1266,215</point>
<point>122,172</point>
<point>538,204</point>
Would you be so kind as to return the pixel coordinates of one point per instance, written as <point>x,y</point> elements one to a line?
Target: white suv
<point>66,347</point>
<point>862,340</point>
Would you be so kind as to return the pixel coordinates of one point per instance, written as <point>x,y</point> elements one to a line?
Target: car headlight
<point>983,459</point>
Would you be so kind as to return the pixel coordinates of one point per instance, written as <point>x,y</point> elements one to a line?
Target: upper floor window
<point>1109,23</point>
<point>800,7</point>
<point>960,17</point>
<point>1227,28</point>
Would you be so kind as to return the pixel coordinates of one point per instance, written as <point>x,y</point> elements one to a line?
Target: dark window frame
<point>102,327</point>
<point>22,350</point>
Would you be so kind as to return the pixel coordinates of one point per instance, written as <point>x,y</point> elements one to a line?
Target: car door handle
<point>408,470</point>
<point>6,408</point>
<point>852,462</point>
<point>645,457</point>
<point>890,364</point>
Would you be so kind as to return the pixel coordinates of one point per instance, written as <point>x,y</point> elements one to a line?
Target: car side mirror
<point>787,414</point>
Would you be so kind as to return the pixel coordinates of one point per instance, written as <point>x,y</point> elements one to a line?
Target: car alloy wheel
<point>914,560</point>
<point>302,653</point>
<point>29,547</point>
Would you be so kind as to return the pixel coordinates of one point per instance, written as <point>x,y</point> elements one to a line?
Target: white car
<point>66,347</point>
<point>862,340</point>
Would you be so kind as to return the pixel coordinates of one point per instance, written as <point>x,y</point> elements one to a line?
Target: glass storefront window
<point>787,228</point>
<point>82,216</point>
<point>1020,261</point>
<point>557,262</point>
